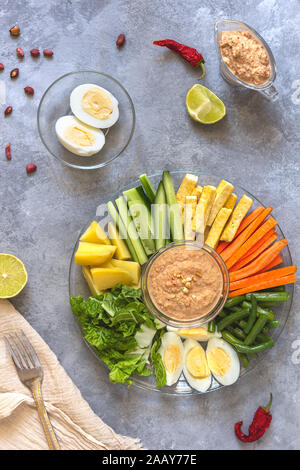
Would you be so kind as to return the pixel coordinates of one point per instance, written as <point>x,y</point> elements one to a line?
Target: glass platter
<point>78,286</point>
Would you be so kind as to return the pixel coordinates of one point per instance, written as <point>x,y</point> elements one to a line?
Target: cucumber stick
<point>141,214</point>
<point>139,218</point>
<point>161,217</point>
<point>148,187</point>
<point>122,229</point>
<point>174,209</point>
<point>131,230</point>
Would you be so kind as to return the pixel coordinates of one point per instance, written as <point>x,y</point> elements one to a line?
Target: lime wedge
<point>204,106</point>
<point>13,276</point>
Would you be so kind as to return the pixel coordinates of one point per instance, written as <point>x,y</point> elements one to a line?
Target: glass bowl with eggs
<point>86,119</point>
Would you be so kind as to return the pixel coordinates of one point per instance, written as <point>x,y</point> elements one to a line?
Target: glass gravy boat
<point>267,89</point>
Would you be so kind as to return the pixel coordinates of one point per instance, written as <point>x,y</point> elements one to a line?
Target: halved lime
<point>13,276</point>
<point>204,106</point>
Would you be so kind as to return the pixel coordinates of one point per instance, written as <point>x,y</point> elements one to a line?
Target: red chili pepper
<point>261,421</point>
<point>188,53</point>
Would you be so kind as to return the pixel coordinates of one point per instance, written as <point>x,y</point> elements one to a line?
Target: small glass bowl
<point>56,103</point>
<point>268,90</point>
<point>195,322</point>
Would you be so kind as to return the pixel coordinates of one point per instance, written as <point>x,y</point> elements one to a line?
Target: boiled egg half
<point>172,354</point>
<point>78,137</point>
<point>223,361</point>
<point>94,106</point>
<point>195,369</point>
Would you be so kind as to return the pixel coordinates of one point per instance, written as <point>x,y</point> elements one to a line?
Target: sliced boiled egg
<point>78,137</point>
<point>94,106</point>
<point>199,334</point>
<point>172,354</point>
<point>195,369</point>
<point>223,361</point>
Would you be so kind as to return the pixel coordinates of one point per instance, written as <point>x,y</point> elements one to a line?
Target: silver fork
<point>31,374</point>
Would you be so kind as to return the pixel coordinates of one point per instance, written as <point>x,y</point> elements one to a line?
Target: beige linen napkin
<point>75,424</point>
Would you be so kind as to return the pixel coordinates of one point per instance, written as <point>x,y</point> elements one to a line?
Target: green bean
<point>270,325</point>
<point>252,315</point>
<point>211,326</point>
<point>230,338</point>
<point>278,289</point>
<point>256,329</point>
<point>257,348</point>
<point>244,360</point>
<point>231,318</point>
<point>222,314</point>
<point>270,296</point>
<point>260,310</point>
<point>238,332</point>
<point>234,301</point>
<point>269,304</point>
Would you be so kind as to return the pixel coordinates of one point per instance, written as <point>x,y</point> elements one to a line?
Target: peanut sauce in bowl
<point>185,284</point>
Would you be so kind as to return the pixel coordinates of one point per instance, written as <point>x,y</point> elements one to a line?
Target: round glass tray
<point>55,103</point>
<point>78,286</point>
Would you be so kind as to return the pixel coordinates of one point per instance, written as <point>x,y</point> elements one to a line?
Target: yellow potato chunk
<point>203,208</point>
<point>197,192</point>
<point>230,203</point>
<point>95,234</point>
<point>189,214</point>
<point>93,254</point>
<point>224,190</point>
<point>217,227</point>
<point>122,252</point>
<point>133,268</point>
<point>107,278</point>
<point>236,218</point>
<point>88,277</point>
<point>186,188</point>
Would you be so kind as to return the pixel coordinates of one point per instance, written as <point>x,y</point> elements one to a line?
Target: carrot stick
<point>251,241</point>
<point>281,281</point>
<point>261,242</point>
<point>267,276</point>
<point>246,259</point>
<point>245,222</point>
<point>246,233</point>
<point>278,260</point>
<point>265,258</point>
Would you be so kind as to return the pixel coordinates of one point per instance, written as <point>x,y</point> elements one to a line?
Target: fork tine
<point>12,353</point>
<point>18,351</point>
<point>35,359</point>
<point>25,355</point>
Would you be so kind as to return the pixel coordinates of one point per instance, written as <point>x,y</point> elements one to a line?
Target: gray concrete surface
<point>257,144</point>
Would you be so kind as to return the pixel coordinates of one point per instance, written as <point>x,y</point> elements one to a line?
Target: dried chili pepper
<point>261,421</point>
<point>188,53</point>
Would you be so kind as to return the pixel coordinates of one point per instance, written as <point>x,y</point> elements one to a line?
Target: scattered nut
<point>188,285</point>
<point>198,274</point>
<point>35,52</point>
<point>185,290</point>
<point>1,67</point>
<point>120,41</point>
<point>8,152</point>
<point>15,30</point>
<point>31,168</point>
<point>48,52</point>
<point>189,279</point>
<point>14,73</point>
<point>8,110</point>
<point>20,52</point>
<point>29,90</point>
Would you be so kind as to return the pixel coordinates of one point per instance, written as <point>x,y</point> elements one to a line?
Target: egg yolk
<point>79,136</point>
<point>97,103</point>
<point>219,361</point>
<point>196,363</point>
<point>193,332</point>
<point>172,358</point>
